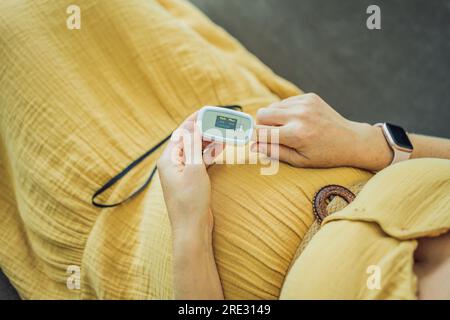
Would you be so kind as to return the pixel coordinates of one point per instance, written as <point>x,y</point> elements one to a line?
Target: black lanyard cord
<point>128,168</point>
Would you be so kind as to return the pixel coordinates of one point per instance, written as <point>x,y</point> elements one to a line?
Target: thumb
<point>192,147</point>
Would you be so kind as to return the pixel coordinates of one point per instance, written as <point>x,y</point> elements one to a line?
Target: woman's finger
<point>211,152</point>
<point>192,146</point>
<point>279,135</point>
<point>273,116</point>
<point>171,156</point>
<point>281,152</point>
<point>189,123</point>
<point>291,99</point>
<point>277,104</point>
<point>282,105</point>
<point>287,101</point>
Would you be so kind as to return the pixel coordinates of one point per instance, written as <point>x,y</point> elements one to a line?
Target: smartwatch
<point>398,140</point>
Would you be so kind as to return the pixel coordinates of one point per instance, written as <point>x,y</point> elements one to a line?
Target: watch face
<point>399,136</point>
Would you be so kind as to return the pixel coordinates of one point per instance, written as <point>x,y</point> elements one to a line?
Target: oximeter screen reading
<point>222,125</point>
<point>225,122</point>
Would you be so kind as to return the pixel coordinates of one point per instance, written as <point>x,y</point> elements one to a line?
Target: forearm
<point>195,271</point>
<point>373,152</point>
<point>430,147</point>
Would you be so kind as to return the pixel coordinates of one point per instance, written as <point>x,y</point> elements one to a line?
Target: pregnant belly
<point>260,221</point>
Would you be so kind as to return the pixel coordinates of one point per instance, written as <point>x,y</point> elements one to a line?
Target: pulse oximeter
<point>225,125</point>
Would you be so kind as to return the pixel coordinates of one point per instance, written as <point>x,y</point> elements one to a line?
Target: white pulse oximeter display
<point>225,125</point>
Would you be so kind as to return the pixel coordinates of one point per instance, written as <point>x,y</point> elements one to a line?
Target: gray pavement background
<point>399,73</point>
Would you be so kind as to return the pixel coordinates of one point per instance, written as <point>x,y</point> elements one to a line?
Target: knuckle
<point>261,113</point>
<point>313,97</point>
<point>292,98</point>
<point>275,104</point>
<point>309,114</point>
<point>307,111</point>
<point>300,112</point>
<point>297,130</point>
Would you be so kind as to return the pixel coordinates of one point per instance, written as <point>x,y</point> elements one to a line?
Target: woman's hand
<point>312,134</point>
<point>184,179</point>
<point>187,193</point>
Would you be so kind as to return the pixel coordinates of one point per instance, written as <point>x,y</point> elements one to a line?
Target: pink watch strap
<point>400,155</point>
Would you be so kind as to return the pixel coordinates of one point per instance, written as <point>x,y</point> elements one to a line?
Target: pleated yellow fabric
<point>77,106</point>
<point>375,237</point>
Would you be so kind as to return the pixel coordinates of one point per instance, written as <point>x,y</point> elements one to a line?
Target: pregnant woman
<point>77,106</point>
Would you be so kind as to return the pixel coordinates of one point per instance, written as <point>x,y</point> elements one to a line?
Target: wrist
<point>192,235</point>
<point>372,152</point>
<point>192,244</point>
<point>421,144</point>
<point>186,221</point>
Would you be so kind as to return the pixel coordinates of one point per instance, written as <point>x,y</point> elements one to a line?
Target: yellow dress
<point>366,250</point>
<point>77,106</point>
